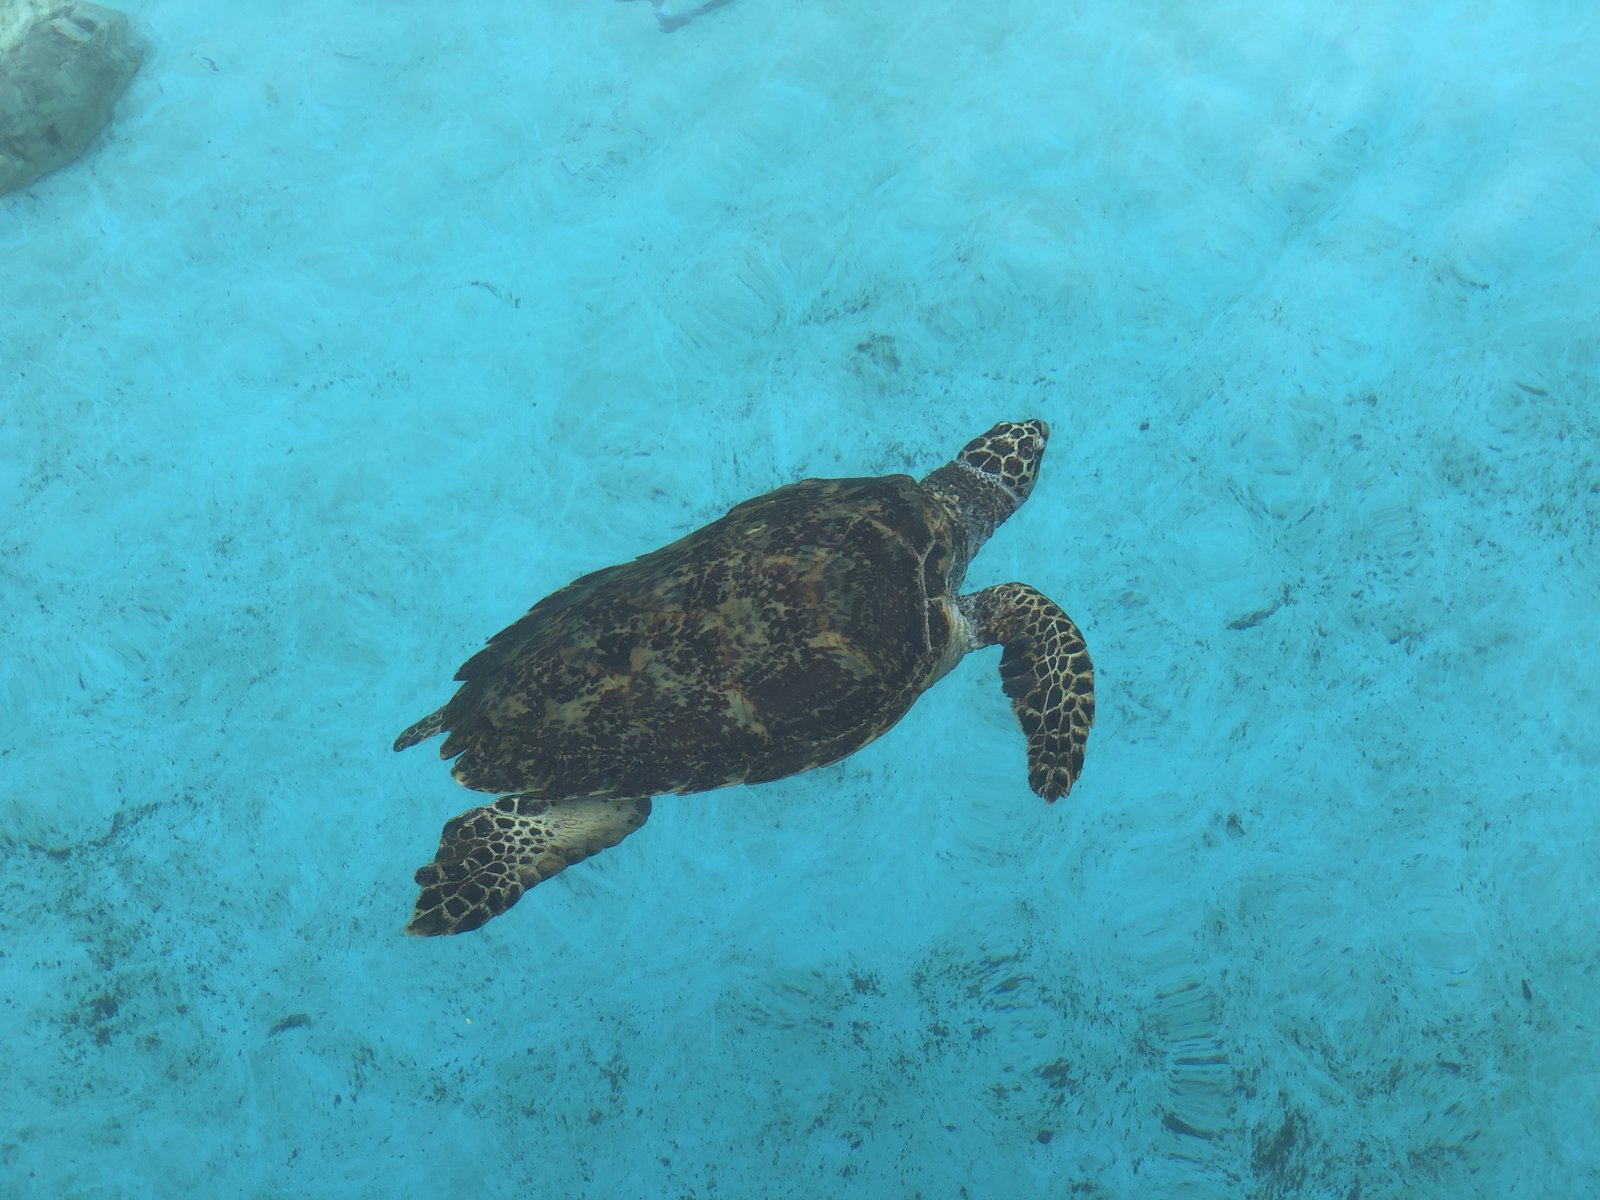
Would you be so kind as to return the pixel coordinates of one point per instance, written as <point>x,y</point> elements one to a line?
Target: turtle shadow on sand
<point>787,634</point>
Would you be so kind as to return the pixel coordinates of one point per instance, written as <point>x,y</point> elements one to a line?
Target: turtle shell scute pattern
<point>785,635</point>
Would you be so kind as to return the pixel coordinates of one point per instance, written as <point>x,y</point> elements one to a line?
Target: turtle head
<point>1009,456</point>
<point>989,480</point>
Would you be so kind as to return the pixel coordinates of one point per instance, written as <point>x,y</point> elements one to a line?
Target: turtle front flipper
<point>488,857</point>
<point>1046,671</point>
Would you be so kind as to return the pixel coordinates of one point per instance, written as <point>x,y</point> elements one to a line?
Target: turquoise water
<point>367,325</point>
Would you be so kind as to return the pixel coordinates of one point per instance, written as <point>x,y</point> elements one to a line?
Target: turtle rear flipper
<point>424,729</point>
<point>1046,671</point>
<point>488,857</point>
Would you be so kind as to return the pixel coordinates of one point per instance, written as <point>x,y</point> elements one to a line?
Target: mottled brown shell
<point>787,634</point>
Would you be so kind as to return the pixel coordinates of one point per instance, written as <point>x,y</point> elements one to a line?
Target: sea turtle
<point>786,634</point>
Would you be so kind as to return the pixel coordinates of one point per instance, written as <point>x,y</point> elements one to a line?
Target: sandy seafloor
<point>369,324</point>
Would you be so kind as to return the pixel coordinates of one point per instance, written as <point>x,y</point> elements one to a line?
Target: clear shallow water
<point>368,325</point>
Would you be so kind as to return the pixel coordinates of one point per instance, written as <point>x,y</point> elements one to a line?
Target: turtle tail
<point>488,857</point>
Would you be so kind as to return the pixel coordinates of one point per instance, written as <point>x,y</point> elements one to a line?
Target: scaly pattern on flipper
<point>489,856</point>
<point>1045,669</point>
